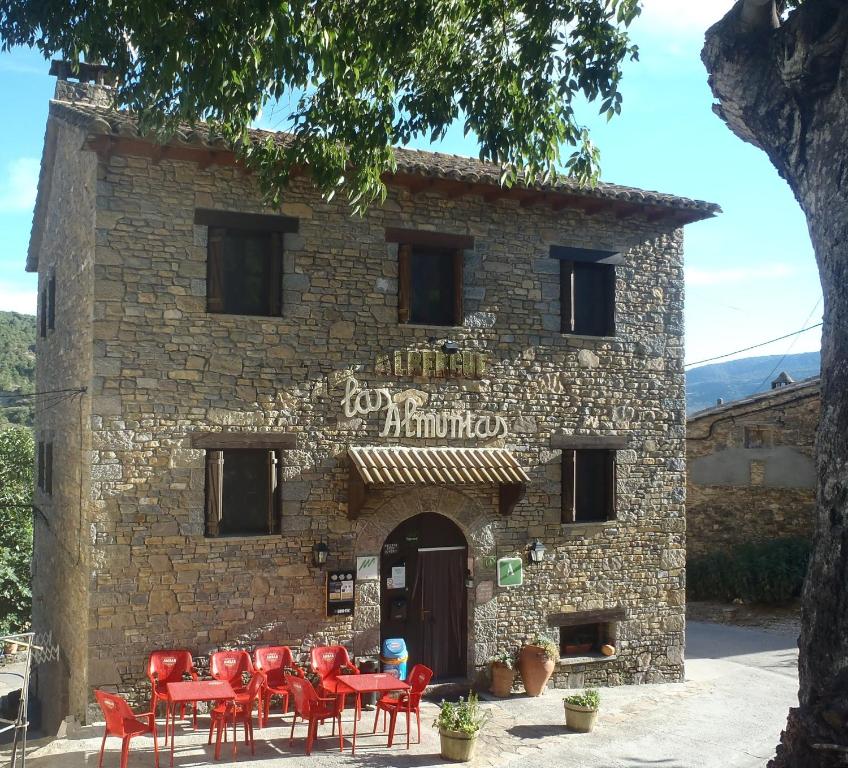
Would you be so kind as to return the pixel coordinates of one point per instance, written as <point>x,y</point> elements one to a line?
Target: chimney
<point>720,401</point>
<point>94,82</point>
<point>782,380</point>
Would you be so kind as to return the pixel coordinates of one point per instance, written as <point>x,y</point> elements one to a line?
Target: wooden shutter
<point>609,275</point>
<point>611,482</point>
<point>404,282</point>
<point>40,466</point>
<point>458,266</point>
<point>566,296</point>
<point>214,492</point>
<point>569,476</point>
<point>43,318</point>
<point>275,275</point>
<point>273,490</point>
<point>51,302</point>
<point>215,270</point>
<point>48,468</point>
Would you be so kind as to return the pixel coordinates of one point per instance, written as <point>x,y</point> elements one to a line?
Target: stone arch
<point>388,510</point>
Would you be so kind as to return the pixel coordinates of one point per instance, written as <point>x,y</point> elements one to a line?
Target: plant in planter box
<point>502,672</point>
<point>459,724</point>
<point>536,663</point>
<point>581,710</point>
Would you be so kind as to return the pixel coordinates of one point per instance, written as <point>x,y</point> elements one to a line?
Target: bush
<point>756,572</point>
<point>589,698</point>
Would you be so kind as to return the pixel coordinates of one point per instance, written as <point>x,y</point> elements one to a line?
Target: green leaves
<point>361,76</point>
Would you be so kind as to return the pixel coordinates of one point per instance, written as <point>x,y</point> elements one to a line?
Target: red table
<point>379,683</point>
<point>193,691</point>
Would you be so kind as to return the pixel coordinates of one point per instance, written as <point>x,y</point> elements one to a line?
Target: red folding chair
<point>169,666</point>
<point>408,701</point>
<point>314,710</point>
<point>231,667</point>
<point>328,662</point>
<point>238,711</point>
<point>122,721</point>
<point>275,662</point>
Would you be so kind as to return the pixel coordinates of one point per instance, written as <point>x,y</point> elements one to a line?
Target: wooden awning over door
<point>372,466</point>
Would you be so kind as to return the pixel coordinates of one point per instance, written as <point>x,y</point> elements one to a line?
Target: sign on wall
<point>510,572</point>
<point>367,568</point>
<point>340,593</point>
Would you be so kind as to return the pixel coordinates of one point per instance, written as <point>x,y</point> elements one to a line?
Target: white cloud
<point>24,302</point>
<point>18,185</point>
<point>684,16</point>
<point>702,277</point>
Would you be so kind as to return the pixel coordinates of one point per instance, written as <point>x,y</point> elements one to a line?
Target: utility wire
<point>20,395</point>
<point>754,346</point>
<point>788,349</point>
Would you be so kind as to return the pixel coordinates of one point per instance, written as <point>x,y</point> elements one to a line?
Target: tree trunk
<point>783,86</point>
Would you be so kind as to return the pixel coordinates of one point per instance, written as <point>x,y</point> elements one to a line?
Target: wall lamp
<point>450,348</point>
<point>537,552</point>
<point>319,554</point>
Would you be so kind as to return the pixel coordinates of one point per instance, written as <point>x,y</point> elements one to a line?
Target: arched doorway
<point>423,598</point>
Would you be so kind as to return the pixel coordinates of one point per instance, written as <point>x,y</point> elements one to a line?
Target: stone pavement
<point>728,714</point>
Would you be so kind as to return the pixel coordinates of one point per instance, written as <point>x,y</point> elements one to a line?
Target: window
<point>47,302</point>
<point>45,467</point>
<point>584,639</point>
<point>588,485</point>
<point>243,491</point>
<point>43,312</point>
<point>758,436</point>
<point>430,276</point>
<point>244,262</point>
<point>587,290</point>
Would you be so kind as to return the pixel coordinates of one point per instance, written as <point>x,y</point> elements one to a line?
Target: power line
<point>754,346</point>
<point>23,395</point>
<point>788,349</point>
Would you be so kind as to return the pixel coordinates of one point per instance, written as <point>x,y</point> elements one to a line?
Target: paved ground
<point>728,714</point>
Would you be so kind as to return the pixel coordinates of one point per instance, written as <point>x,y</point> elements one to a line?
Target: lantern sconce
<point>319,554</point>
<point>450,348</point>
<point>537,552</point>
<point>469,579</point>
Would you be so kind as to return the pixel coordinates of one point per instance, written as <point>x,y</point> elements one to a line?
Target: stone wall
<point>736,493</point>
<point>163,368</point>
<point>61,556</point>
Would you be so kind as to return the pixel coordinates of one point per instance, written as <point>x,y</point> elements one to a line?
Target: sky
<point>750,272</point>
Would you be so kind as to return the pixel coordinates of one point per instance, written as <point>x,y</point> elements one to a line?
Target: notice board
<point>340,592</point>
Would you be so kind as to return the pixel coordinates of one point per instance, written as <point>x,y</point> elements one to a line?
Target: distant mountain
<point>17,367</point>
<point>741,378</point>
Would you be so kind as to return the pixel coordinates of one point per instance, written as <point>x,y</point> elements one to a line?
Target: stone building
<point>751,475</point>
<point>418,396</point>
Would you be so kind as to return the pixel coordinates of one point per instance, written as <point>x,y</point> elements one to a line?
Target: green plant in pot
<point>581,710</point>
<point>502,672</point>
<point>536,662</point>
<point>459,724</point>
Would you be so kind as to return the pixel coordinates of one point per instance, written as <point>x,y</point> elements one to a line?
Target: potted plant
<point>581,710</point>
<point>502,673</point>
<point>459,724</point>
<point>536,663</point>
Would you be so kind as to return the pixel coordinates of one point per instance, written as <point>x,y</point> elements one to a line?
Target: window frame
<point>570,482</point>
<point>571,261</point>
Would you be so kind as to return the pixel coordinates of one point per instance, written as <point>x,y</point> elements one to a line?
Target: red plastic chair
<point>169,666</point>
<point>275,662</point>
<point>238,711</point>
<point>408,701</point>
<point>122,721</point>
<point>231,667</point>
<point>314,710</point>
<point>328,662</point>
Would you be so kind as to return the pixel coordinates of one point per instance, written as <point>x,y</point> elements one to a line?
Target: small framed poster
<point>510,572</point>
<point>367,568</point>
<point>340,593</point>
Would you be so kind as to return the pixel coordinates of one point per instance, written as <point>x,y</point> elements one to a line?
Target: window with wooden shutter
<point>51,303</point>
<point>214,270</point>
<point>587,290</point>
<point>404,284</point>
<point>48,469</point>
<point>40,465</point>
<point>588,485</point>
<point>458,267</point>
<point>214,486</point>
<point>43,312</point>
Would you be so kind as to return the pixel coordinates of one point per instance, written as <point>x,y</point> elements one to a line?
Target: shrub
<point>549,645</point>
<point>757,572</point>
<point>589,698</point>
<point>465,716</point>
<point>505,658</point>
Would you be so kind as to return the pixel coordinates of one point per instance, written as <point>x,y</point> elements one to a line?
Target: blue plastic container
<point>394,656</point>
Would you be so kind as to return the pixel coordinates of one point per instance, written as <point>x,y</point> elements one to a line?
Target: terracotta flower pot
<point>502,679</point>
<point>457,745</point>
<point>535,668</point>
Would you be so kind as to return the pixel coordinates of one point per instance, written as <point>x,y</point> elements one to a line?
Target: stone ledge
<point>572,661</point>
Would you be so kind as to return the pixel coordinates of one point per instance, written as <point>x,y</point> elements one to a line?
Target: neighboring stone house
<point>247,376</point>
<point>751,475</point>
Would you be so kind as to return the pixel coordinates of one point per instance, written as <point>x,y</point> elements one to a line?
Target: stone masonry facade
<point>751,472</point>
<point>122,565</point>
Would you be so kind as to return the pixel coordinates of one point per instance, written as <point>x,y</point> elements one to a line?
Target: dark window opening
<point>51,303</point>
<point>584,639</point>
<point>588,486</point>
<point>244,272</point>
<point>587,298</point>
<point>40,466</point>
<point>243,492</point>
<point>430,285</point>
<point>43,312</point>
<point>44,467</point>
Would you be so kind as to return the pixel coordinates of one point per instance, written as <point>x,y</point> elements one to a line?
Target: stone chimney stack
<point>94,83</point>
<point>784,379</point>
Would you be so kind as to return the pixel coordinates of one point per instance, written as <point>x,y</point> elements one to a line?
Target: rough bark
<point>783,86</point>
